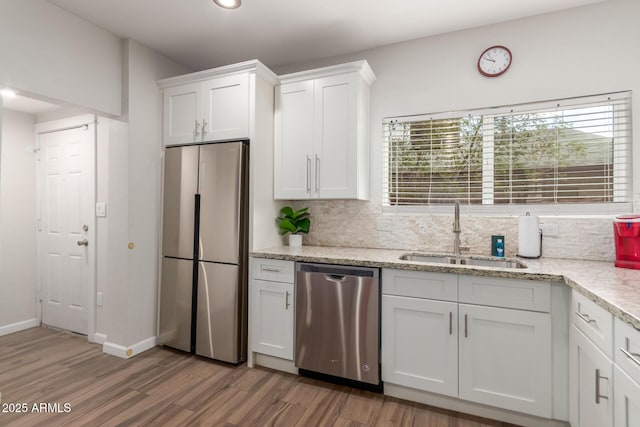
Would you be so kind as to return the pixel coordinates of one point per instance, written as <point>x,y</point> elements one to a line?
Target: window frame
<point>624,168</point>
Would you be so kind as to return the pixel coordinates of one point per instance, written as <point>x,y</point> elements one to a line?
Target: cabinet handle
<point>196,132</point>
<point>274,269</point>
<point>450,323</point>
<point>598,395</point>
<point>286,300</point>
<point>466,331</point>
<point>308,174</point>
<point>317,173</point>
<point>204,127</point>
<point>632,356</point>
<point>585,317</point>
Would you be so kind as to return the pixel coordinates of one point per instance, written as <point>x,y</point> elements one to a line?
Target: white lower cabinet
<point>590,376</point>
<point>420,344</point>
<point>489,355</point>
<point>626,375</point>
<point>271,307</point>
<point>626,410</point>
<point>505,358</point>
<point>272,313</point>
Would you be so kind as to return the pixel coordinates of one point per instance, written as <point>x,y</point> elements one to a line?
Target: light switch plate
<point>99,299</point>
<point>101,209</point>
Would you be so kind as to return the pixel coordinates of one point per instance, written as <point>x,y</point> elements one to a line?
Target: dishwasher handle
<point>337,272</point>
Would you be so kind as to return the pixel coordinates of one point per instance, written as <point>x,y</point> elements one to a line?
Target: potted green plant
<point>295,222</point>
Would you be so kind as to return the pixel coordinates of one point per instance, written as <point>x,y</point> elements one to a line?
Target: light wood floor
<point>165,388</point>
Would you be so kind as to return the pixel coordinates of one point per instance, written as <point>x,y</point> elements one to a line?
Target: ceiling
<point>28,105</point>
<point>200,35</point>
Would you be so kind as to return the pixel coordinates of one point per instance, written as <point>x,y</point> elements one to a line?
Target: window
<point>568,152</point>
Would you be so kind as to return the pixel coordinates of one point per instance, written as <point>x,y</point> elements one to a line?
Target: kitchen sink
<point>445,259</point>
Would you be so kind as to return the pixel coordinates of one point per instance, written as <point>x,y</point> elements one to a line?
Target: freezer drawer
<point>337,322</point>
<point>221,316</point>
<point>175,303</point>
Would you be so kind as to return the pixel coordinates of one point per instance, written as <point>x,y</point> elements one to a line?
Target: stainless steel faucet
<point>456,232</point>
<point>456,229</point>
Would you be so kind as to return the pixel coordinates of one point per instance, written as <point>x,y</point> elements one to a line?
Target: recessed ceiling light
<point>7,93</point>
<point>228,4</point>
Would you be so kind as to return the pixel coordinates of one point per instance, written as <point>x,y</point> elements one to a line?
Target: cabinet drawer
<point>626,348</point>
<point>420,284</point>
<point>273,270</point>
<point>508,293</point>
<point>594,321</point>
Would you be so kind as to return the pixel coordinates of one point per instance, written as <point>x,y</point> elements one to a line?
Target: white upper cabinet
<point>215,109</point>
<point>226,108</point>
<point>182,113</point>
<point>322,133</point>
<point>294,140</point>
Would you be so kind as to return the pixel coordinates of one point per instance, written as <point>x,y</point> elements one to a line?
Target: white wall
<point>51,53</point>
<point>17,219</point>
<point>576,52</point>
<point>130,287</point>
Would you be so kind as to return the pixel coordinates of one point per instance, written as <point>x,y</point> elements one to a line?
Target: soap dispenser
<point>500,248</point>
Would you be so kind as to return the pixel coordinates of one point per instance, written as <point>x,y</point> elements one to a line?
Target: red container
<point>626,231</point>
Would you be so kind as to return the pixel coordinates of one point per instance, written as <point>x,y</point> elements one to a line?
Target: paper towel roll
<point>529,236</point>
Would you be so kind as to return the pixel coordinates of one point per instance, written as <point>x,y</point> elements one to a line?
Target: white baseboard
<point>19,326</point>
<point>99,338</point>
<point>127,352</point>
<point>274,363</point>
<point>467,407</point>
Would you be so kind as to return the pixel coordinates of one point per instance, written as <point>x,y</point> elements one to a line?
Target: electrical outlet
<point>549,229</point>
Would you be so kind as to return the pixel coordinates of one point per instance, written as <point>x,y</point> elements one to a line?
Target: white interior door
<point>67,226</point>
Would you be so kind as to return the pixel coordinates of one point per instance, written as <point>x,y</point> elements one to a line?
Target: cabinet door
<point>272,311</point>
<point>226,108</point>
<point>419,344</point>
<point>626,401</point>
<point>182,109</point>
<point>293,165</point>
<point>335,159</point>
<point>590,393</point>
<point>505,358</point>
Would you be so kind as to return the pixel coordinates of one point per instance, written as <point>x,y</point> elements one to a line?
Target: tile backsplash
<point>362,224</point>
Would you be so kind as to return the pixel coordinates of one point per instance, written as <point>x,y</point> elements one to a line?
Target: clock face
<point>494,61</point>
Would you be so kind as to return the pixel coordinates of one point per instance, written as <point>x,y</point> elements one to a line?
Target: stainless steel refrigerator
<point>203,291</point>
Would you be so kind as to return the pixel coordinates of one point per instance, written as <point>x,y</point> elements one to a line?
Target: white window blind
<point>572,151</point>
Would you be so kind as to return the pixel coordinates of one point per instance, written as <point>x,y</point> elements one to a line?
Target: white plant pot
<point>295,240</point>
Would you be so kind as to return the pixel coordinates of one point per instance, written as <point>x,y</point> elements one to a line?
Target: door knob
<point>83,242</point>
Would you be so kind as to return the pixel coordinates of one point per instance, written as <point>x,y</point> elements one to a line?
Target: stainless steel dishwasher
<point>338,323</point>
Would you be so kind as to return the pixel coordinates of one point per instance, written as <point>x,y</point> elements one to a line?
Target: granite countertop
<point>615,289</point>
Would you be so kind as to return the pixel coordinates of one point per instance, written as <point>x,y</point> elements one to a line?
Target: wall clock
<point>494,61</point>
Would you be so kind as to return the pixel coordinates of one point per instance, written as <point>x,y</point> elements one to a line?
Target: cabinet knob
<point>196,132</point>
<point>204,128</point>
